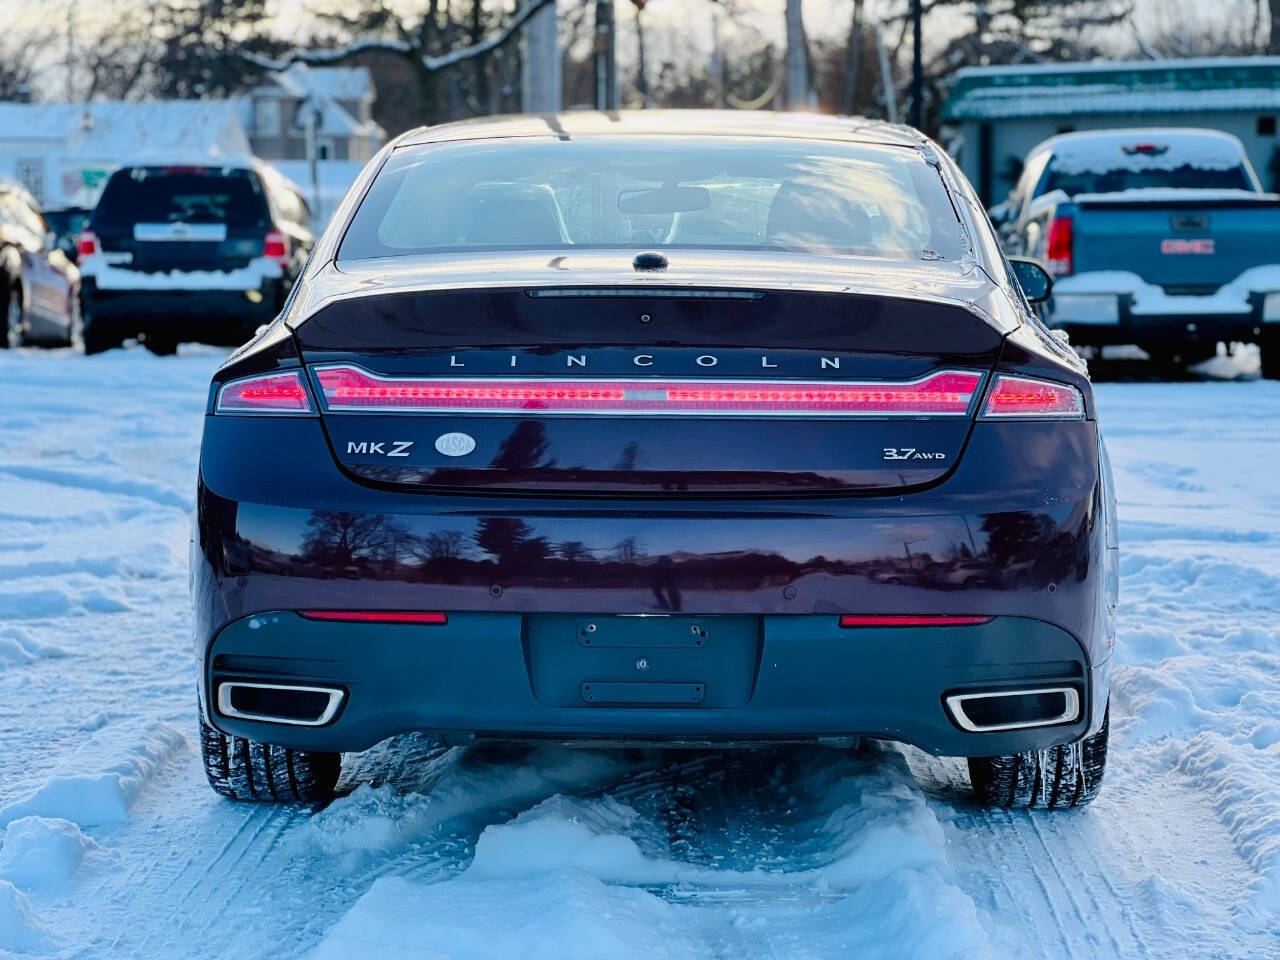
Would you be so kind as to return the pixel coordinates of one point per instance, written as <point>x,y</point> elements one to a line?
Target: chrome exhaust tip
<point>995,710</point>
<point>298,706</point>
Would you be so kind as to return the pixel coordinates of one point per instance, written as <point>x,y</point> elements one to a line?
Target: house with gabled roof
<point>338,101</point>
<point>993,116</point>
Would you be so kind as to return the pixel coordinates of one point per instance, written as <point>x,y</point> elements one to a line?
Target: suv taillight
<point>1029,399</point>
<point>1059,254</point>
<point>268,393</point>
<point>275,246</point>
<point>87,246</point>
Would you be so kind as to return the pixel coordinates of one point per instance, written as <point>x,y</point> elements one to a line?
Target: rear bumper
<point>1016,532</point>
<point>1114,322</point>
<point>796,678</point>
<point>230,315</point>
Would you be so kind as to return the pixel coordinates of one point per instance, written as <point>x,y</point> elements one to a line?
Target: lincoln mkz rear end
<point>662,429</point>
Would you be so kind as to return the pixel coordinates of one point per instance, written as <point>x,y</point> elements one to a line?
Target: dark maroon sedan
<point>662,428</point>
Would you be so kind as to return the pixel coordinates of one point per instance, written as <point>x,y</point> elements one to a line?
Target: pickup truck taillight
<point>87,245</point>
<point>1058,254</point>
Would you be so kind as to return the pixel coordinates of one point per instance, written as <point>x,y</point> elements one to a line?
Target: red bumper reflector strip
<point>909,620</point>
<point>349,388</point>
<point>377,616</point>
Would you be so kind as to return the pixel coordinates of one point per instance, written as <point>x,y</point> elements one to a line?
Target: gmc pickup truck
<point>1160,238</point>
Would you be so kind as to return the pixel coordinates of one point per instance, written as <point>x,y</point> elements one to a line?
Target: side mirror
<point>1033,278</point>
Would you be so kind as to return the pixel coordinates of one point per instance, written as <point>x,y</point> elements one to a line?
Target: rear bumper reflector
<point>377,616</point>
<point>910,620</point>
<point>347,388</point>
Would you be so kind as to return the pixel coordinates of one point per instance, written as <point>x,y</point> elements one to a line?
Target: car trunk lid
<point>647,391</point>
<point>1180,240</point>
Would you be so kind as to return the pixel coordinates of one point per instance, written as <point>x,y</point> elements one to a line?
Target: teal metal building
<point>993,116</point>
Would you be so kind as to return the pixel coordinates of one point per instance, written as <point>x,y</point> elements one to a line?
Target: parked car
<point>66,224</point>
<point>501,470</point>
<point>1160,238</point>
<point>39,285</point>
<point>204,251</point>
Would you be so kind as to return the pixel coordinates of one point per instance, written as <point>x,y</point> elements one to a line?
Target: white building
<point>63,153</point>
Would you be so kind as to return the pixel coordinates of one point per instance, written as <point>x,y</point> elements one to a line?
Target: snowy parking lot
<point>112,844</point>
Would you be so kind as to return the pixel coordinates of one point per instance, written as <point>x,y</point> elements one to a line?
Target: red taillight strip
<point>910,620</point>
<point>377,616</point>
<point>1030,399</point>
<point>348,388</point>
<point>269,394</point>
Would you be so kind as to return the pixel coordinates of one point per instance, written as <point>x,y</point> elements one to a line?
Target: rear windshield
<point>642,193</point>
<point>1111,164</point>
<point>1113,181</point>
<point>181,195</point>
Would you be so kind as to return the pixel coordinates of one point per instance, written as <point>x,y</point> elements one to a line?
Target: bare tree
<point>19,55</point>
<point>424,42</point>
<point>117,64</point>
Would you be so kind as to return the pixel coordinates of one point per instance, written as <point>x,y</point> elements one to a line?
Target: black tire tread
<point>246,770</point>
<point>1058,778</point>
<point>1269,348</point>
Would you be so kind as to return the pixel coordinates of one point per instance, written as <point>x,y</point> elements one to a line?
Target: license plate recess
<point>644,662</point>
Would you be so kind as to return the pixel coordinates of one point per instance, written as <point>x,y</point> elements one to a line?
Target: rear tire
<point>246,770</point>
<point>1054,779</point>
<point>97,335</point>
<point>160,344</point>
<point>1178,359</point>
<point>14,321</point>
<point>1269,348</point>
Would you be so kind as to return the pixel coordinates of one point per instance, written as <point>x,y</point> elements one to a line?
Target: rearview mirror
<point>664,200</point>
<point>1033,278</point>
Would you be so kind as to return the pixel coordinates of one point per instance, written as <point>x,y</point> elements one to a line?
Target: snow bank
<point>43,853</point>
<point>564,915</point>
<point>374,820</point>
<point>21,931</point>
<point>17,646</point>
<point>103,795</point>
<point>577,877</point>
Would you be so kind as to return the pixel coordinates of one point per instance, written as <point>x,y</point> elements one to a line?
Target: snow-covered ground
<point>112,845</point>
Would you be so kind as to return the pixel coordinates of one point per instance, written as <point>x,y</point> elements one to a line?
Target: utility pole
<point>540,65</point>
<point>797,59</point>
<point>886,78</point>
<point>849,91</point>
<point>642,76</point>
<point>605,57</point>
<point>917,68</point>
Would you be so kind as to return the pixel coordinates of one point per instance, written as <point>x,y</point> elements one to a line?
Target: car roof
<point>691,123</point>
